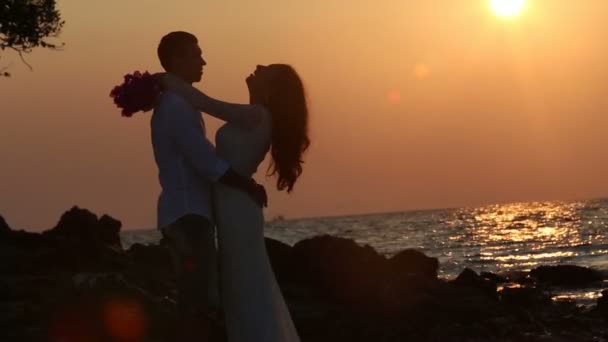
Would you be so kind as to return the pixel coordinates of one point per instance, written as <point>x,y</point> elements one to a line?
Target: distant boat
<point>277,218</point>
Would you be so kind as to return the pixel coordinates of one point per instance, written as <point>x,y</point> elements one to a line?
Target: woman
<point>253,304</point>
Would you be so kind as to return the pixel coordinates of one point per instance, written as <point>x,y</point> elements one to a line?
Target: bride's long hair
<point>290,140</point>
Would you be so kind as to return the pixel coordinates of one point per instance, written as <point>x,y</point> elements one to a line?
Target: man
<point>188,167</point>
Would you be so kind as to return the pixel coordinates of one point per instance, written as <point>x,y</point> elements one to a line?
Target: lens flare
<point>394,96</point>
<point>507,8</point>
<point>421,71</point>
<point>125,319</point>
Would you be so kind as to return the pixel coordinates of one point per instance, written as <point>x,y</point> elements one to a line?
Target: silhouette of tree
<point>27,24</point>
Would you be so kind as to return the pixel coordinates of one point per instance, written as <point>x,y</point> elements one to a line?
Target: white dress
<point>254,308</point>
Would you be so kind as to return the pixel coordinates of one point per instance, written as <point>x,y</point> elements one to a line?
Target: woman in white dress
<point>254,308</point>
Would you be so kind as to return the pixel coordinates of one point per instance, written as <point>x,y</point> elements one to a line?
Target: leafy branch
<point>28,24</point>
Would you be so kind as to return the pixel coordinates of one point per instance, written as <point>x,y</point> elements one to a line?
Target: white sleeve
<point>187,132</point>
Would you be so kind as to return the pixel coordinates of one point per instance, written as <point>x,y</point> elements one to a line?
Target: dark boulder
<point>410,279</point>
<point>109,307</point>
<point>81,242</point>
<point>17,248</point>
<point>519,277</point>
<point>494,278</point>
<point>150,255</point>
<point>340,270</point>
<point>449,302</point>
<point>565,275</point>
<point>526,297</point>
<point>410,261</point>
<point>471,280</point>
<point>154,257</point>
<point>468,298</point>
<point>151,267</point>
<point>109,230</point>
<point>602,303</point>
<point>465,307</point>
<point>84,226</point>
<point>281,259</point>
<point>76,256</point>
<point>4,227</point>
<point>75,222</point>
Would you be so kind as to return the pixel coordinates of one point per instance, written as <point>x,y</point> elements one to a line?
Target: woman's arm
<point>241,114</point>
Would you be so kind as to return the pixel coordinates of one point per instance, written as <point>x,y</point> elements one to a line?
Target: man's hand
<point>258,193</point>
<point>248,185</point>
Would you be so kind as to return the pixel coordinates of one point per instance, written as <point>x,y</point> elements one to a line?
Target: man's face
<point>190,64</point>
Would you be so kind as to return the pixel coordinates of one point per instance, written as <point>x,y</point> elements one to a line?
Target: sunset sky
<point>414,104</point>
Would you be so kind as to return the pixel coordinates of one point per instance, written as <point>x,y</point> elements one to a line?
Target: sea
<point>499,238</point>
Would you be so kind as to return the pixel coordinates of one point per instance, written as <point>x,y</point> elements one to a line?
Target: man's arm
<point>187,132</point>
<point>255,190</point>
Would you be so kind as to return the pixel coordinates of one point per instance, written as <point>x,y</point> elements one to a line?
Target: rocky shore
<point>74,282</point>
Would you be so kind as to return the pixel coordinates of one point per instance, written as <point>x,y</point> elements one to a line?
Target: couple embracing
<point>209,189</point>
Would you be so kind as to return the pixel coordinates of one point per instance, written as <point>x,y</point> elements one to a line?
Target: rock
<point>494,278</point>
<point>602,303</point>
<point>153,256</point>
<point>20,239</point>
<point>281,259</point>
<point>410,279</point>
<point>83,225</point>
<point>469,279</point>
<point>4,228</point>
<point>340,270</point>
<point>76,256</point>
<point>447,302</point>
<point>565,275</point>
<point>410,261</point>
<point>107,307</point>
<point>463,306</point>
<point>139,314</point>
<point>151,265</point>
<point>75,222</point>
<point>79,242</point>
<point>24,287</point>
<point>526,297</point>
<point>94,292</point>
<point>109,230</point>
<point>411,300</point>
<point>519,277</point>
<point>17,238</point>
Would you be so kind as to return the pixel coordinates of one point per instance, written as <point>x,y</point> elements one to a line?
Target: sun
<point>507,8</point>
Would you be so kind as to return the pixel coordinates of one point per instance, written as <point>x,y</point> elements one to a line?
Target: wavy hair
<point>287,103</point>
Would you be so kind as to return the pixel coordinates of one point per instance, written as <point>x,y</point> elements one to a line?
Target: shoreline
<point>586,296</point>
<point>336,290</point>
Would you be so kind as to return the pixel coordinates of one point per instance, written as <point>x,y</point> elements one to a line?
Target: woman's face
<point>259,82</point>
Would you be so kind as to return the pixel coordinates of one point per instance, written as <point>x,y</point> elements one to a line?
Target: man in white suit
<point>188,166</point>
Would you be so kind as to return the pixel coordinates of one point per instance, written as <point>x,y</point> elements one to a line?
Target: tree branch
<point>26,24</point>
<point>23,58</point>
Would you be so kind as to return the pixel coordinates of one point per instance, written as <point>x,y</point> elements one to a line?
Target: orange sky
<point>415,104</point>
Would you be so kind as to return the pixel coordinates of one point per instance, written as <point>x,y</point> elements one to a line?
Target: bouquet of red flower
<point>139,92</point>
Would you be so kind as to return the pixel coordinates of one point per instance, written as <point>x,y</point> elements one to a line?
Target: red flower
<point>138,92</point>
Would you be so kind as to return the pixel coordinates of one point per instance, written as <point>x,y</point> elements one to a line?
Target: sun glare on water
<point>507,8</point>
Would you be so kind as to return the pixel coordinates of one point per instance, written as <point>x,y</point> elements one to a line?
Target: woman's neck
<point>256,100</point>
